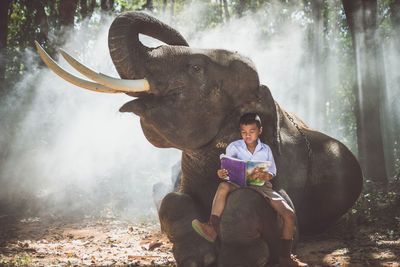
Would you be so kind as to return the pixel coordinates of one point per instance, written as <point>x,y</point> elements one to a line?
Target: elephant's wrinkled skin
<point>194,104</point>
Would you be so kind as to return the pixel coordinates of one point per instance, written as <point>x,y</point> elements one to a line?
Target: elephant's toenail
<point>209,258</point>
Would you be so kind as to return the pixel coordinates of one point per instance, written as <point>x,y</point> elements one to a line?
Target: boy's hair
<point>250,118</point>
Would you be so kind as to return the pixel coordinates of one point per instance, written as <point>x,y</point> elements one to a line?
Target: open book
<point>244,172</point>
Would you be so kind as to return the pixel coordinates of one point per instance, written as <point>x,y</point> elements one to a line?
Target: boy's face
<point>250,133</point>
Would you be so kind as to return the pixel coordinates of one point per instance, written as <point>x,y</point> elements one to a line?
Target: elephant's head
<point>192,92</point>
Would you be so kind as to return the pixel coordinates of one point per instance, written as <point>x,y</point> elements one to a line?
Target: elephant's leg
<point>255,253</point>
<point>176,213</point>
<point>250,231</point>
<point>331,190</point>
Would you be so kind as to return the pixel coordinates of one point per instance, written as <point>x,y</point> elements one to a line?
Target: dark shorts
<point>265,190</point>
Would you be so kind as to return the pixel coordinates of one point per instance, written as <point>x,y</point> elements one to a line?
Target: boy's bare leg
<point>288,216</point>
<point>219,201</point>
<point>286,258</point>
<point>210,229</point>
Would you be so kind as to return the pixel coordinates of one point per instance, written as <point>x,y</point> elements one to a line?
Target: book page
<point>255,169</point>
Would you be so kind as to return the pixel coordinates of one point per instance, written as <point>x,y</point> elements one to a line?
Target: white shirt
<point>238,149</point>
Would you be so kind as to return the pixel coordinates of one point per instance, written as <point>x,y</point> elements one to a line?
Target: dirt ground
<point>44,241</point>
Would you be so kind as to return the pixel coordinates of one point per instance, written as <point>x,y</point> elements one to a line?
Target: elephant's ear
<point>249,96</point>
<point>244,84</point>
<point>262,103</point>
<point>270,120</point>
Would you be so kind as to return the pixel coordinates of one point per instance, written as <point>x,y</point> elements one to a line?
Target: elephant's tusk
<point>128,86</point>
<point>70,77</point>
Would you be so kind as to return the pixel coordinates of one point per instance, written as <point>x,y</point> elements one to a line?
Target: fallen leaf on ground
<point>154,245</point>
<point>141,257</point>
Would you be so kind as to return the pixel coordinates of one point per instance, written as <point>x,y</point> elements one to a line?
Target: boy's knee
<point>288,214</point>
<point>224,187</point>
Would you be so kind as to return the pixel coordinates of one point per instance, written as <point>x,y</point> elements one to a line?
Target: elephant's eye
<point>196,68</point>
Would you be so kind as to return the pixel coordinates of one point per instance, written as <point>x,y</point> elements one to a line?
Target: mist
<point>69,150</point>
<point>66,150</point>
<point>277,40</point>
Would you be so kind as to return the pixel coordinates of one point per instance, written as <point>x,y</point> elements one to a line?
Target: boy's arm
<point>231,151</point>
<point>268,176</point>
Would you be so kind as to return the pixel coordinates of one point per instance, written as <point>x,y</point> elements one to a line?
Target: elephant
<point>191,99</point>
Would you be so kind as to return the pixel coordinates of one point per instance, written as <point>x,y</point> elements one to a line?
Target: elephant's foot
<point>254,254</point>
<point>176,213</point>
<point>194,251</point>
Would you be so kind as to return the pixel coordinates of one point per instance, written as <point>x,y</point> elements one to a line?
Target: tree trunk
<point>318,74</point>
<point>164,6</point>
<point>107,5</point>
<point>66,11</point>
<point>87,8</point>
<point>240,7</point>
<point>221,19</point>
<point>4,11</point>
<point>392,105</point>
<point>395,18</point>
<point>91,7</point>
<point>226,11</point>
<point>149,5</point>
<point>361,16</point>
<point>52,18</point>
<point>84,8</point>
<point>172,8</point>
<point>28,25</point>
<point>41,22</point>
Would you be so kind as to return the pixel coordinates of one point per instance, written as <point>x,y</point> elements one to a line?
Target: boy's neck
<point>252,147</point>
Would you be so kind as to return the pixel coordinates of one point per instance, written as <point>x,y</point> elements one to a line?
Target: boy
<point>251,148</point>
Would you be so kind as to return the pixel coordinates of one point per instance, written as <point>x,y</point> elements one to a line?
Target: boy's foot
<point>291,262</point>
<point>206,230</point>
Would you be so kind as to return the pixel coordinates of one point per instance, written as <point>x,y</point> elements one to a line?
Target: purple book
<point>241,172</point>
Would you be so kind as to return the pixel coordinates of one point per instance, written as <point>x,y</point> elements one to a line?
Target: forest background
<point>349,87</point>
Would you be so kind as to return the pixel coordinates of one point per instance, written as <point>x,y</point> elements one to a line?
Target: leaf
<point>154,244</point>
<point>141,257</point>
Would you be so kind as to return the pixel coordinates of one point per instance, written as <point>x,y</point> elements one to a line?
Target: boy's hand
<point>223,173</point>
<point>263,176</point>
<point>267,176</point>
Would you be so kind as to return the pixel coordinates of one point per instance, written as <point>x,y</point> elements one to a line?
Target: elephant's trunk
<point>130,57</point>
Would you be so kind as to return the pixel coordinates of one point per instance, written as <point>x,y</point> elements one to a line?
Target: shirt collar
<point>258,147</point>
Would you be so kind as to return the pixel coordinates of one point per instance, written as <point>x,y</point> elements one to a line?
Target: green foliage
<point>126,5</point>
<point>20,261</point>
<point>385,24</point>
